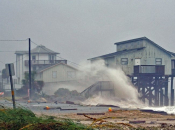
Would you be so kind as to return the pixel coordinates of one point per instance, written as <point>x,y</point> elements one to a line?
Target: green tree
<point>36,86</point>
<point>64,92</point>
<point>4,75</point>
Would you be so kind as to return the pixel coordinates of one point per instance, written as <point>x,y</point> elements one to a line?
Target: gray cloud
<point>81,29</point>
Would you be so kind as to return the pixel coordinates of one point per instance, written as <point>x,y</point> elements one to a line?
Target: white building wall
<point>62,73</point>
<point>21,68</point>
<point>43,57</point>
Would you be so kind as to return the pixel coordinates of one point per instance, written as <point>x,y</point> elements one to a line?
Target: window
<point>158,61</point>
<point>71,74</point>
<point>51,57</point>
<point>173,64</point>
<point>33,57</point>
<point>54,74</point>
<point>124,61</point>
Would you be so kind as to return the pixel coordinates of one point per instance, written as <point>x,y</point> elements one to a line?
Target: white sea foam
<point>126,94</point>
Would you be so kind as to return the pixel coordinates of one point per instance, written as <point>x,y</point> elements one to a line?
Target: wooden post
<point>172,98</point>
<point>161,97</point>
<point>166,103</point>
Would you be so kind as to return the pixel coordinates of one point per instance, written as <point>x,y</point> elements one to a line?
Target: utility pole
<point>30,89</point>
<point>2,81</point>
<point>11,82</point>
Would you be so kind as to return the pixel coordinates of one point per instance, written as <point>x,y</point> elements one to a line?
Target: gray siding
<point>151,52</point>
<point>110,62</point>
<point>128,69</point>
<point>147,56</point>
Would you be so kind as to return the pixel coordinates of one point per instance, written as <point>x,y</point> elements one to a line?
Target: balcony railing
<point>44,62</point>
<point>149,70</point>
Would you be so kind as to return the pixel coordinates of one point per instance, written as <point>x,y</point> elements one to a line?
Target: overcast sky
<point>82,29</point>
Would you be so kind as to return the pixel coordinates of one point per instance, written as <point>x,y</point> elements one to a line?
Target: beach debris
<point>30,101</point>
<point>153,122</point>
<point>104,105</point>
<point>102,123</point>
<point>41,100</point>
<point>68,109</point>
<point>69,102</point>
<point>137,122</point>
<point>163,125</point>
<point>109,109</point>
<point>61,109</point>
<point>47,108</point>
<point>90,113</point>
<point>171,119</point>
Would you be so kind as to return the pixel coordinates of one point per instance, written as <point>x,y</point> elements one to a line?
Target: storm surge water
<point>167,109</point>
<point>126,94</point>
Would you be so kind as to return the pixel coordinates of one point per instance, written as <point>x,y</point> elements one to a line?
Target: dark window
<point>51,57</point>
<point>33,57</point>
<point>158,61</point>
<point>124,61</point>
<point>173,64</point>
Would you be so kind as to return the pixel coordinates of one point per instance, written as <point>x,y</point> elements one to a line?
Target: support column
<point>138,84</point>
<point>161,97</point>
<point>143,93</point>
<point>156,92</point>
<point>166,103</point>
<point>150,92</point>
<point>173,97</point>
<point>172,92</point>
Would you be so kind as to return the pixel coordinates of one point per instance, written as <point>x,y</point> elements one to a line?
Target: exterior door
<point>137,62</point>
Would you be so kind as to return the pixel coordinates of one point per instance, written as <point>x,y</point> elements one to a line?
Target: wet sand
<point>125,116</point>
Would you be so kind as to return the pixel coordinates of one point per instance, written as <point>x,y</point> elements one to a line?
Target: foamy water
<point>126,95</point>
<point>168,109</point>
<point>122,103</point>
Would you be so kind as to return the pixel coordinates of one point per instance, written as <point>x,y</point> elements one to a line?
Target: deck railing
<point>44,62</point>
<point>149,69</point>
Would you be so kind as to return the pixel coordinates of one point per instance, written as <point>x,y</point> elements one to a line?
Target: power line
<point>12,40</point>
<point>7,51</point>
<point>58,56</point>
<point>12,51</point>
<point>2,62</point>
<point>37,45</point>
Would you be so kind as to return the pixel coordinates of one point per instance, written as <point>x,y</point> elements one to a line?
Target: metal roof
<point>50,66</point>
<point>117,53</point>
<point>21,52</point>
<point>44,67</point>
<point>145,38</point>
<point>38,50</point>
<point>43,50</point>
<point>133,40</point>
